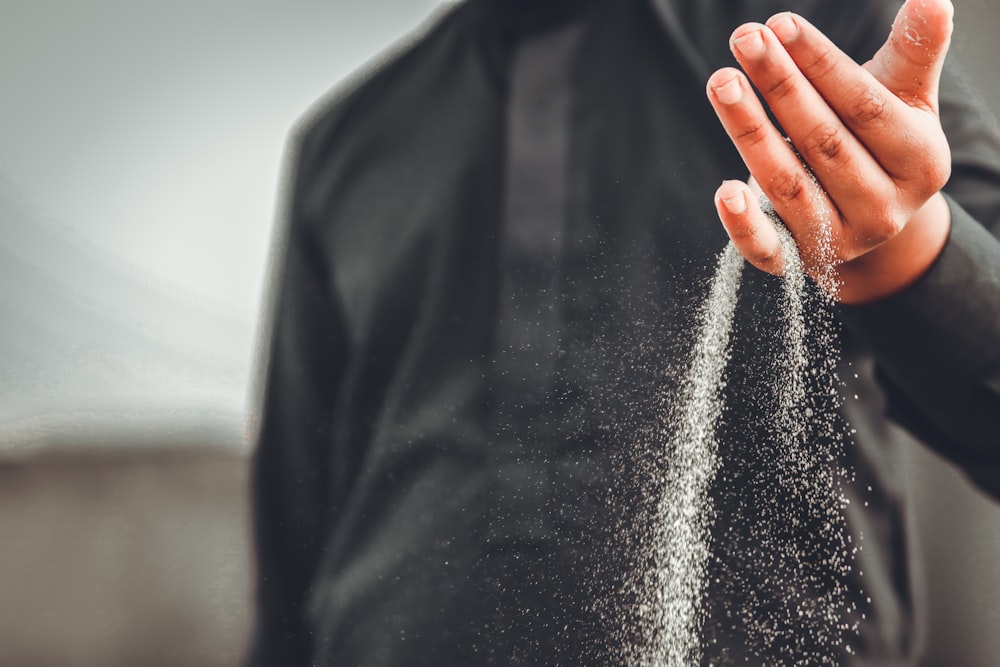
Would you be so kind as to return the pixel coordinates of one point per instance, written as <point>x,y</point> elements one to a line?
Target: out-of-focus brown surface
<point>127,557</point>
<point>123,558</point>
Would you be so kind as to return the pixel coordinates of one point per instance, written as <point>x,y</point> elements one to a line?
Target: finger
<point>910,61</point>
<point>843,165</point>
<point>797,198</point>
<point>749,228</point>
<point>867,107</point>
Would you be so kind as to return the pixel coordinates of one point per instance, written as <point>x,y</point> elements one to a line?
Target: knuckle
<point>938,174</point>
<point>752,134</point>
<point>826,143</point>
<point>821,65</point>
<point>869,107</point>
<point>884,225</point>
<point>786,186</point>
<point>768,260</point>
<point>781,88</point>
<point>928,178</point>
<point>742,234</point>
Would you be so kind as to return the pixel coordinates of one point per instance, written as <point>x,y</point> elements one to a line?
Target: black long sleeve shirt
<point>495,243</point>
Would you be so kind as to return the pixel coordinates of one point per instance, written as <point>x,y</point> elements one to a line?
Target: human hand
<point>872,221</point>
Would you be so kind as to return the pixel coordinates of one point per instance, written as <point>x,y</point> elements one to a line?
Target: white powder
<point>805,578</point>
<point>670,619</point>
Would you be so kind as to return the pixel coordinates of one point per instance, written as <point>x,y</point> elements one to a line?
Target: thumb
<point>910,62</point>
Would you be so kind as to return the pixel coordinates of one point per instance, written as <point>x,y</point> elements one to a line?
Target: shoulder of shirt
<point>340,108</point>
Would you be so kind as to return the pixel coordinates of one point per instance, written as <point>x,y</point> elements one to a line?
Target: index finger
<point>873,111</point>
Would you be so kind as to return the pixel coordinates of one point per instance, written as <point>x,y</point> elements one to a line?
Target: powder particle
<point>670,617</point>
<point>795,615</point>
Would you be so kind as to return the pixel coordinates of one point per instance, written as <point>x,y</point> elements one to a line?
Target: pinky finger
<point>749,228</point>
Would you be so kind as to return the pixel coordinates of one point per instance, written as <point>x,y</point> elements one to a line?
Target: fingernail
<point>735,204</point>
<point>730,92</point>
<point>785,27</point>
<point>751,45</point>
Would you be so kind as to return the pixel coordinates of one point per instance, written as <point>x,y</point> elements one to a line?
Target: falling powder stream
<point>680,541</point>
<point>670,613</point>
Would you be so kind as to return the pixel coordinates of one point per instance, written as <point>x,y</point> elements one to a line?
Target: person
<point>496,241</point>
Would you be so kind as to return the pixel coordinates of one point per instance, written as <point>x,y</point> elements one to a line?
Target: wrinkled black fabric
<point>517,19</point>
<point>464,360</point>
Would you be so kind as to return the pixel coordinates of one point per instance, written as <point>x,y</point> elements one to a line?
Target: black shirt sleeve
<point>937,344</point>
<point>296,455</point>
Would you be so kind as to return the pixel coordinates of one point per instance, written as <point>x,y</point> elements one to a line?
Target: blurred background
<point>141,145</point>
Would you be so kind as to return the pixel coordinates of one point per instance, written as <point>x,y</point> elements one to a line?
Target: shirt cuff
<point>947,324</point>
